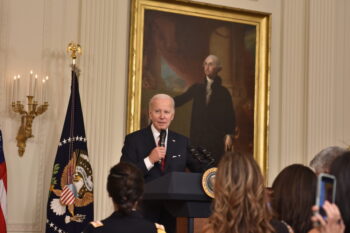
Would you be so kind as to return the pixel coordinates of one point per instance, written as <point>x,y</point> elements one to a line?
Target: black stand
<point>190,226</point>
<point>183,194</point>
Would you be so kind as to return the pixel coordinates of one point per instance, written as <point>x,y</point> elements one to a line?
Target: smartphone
<point>325,191</point>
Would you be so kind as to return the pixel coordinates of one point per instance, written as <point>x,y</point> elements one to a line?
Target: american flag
<point>3,188</point>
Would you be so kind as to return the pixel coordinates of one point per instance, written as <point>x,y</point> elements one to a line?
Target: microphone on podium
<point>203,156</point>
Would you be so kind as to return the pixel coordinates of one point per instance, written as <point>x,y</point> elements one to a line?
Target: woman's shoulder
<point>125,224</point>
<point>94,226</point>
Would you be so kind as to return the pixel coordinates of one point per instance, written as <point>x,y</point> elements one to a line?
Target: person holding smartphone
<point>326,186</point>
<point>333,223</point>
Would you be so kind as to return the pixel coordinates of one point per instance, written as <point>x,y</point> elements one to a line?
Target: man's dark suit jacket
<point>138,145</point>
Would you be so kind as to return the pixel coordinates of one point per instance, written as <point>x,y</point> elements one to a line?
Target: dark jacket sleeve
<point>130,154</point>
<point>186,96</point>
<point>89,229</point>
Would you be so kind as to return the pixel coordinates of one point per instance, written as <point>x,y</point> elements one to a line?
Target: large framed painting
<point>169,42</point>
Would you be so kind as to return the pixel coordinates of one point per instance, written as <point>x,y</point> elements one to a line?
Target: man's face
<point>161,113</point>
<point>210,67</point>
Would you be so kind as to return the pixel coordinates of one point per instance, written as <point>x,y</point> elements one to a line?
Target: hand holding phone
<point>326,185</point>
<point>334,222</point>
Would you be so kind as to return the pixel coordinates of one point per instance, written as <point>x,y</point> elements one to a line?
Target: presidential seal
<point>76,187</point>
<point>208,181</point>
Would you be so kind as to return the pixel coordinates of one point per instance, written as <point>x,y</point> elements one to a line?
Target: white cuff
<point>148,163</point>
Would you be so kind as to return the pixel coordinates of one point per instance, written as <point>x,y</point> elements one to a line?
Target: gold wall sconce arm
<point>27,118</point>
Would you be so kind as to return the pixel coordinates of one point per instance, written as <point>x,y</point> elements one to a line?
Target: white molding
<point>321,74</point>
<point>293,90</point>
<point>103,91</point>
<point>5,97</point>
<point>342,71</point>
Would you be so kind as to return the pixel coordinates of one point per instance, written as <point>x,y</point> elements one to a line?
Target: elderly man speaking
<point>156,150</point>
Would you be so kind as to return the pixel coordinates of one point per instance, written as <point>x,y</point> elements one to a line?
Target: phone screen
<point>326,191</point>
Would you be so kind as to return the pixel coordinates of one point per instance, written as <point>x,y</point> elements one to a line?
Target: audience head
<point>161,111</point>
<point>125,186</point>
<point>322,161</point>
<point>293,196</point>
<point>240,202</point>
<point>340,168</point>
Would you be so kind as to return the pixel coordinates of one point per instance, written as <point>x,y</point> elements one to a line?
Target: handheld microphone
<point>161,143</point>
<point>162,137</point>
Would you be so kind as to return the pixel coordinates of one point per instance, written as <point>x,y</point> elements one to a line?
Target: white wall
<point>308,93</point>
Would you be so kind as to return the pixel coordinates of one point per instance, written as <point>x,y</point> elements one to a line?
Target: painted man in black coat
<point>141,148</point>
<point>213,117</point>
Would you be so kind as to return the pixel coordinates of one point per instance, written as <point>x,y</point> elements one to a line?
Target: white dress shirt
<point>156,135</point>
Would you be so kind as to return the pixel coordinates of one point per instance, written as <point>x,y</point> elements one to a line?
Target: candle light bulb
<point>35,84</point>
<point>47,77</point>
<point>14,89</point>
<point>18,87</point>
<point>43,91</point>
<point>30,89</point>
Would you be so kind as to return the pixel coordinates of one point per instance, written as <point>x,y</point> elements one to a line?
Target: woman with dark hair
<point>125,187</point>
<point>240,203</point>
<point>340,168</point>
<point>293,196</point>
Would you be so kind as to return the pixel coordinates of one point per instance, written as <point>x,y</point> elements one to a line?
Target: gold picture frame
<point>164,38</point>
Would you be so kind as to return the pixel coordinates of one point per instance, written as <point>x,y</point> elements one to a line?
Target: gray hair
<point>161,96</point>
<point>216,60</point>
<point>322,161</point>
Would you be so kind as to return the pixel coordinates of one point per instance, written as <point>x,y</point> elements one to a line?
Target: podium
<point>183,195</point>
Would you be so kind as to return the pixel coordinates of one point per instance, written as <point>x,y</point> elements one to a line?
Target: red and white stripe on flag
<point>3,194</point>
<point>67,195</point>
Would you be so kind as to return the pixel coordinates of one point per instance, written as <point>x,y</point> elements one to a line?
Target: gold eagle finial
<point>75,50</point>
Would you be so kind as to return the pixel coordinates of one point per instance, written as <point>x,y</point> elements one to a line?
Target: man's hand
<point>157,154</point>
<point>228,142</point>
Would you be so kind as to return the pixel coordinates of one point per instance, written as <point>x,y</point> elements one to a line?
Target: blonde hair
<point>240,203</point>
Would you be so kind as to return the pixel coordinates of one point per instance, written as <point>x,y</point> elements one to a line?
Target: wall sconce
<point>33,109</point>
